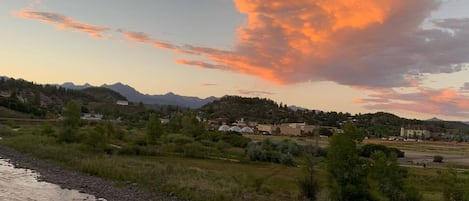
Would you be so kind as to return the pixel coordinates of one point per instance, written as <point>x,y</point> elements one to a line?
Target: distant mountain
<point>133,95</point>
<point>434,119</point>
<point>70,85</point>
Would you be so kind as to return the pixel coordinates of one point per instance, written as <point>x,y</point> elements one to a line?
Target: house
<point>266,128</point>
<point>122,102</point>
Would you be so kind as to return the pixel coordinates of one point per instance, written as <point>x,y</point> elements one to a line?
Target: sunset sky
<point>408,57</point>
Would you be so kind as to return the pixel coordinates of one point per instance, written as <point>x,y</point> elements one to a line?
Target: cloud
<point>429,101</point>
<point>367,43</point>
<point>359,43</point>
<point>208,84</point>
<point>140,37</point>
<point>465,87</point>
<point>63,22</point>
<point>254,92</point>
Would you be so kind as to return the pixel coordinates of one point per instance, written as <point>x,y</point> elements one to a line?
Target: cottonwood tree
<point>389,176</point>
<point>347,180</point>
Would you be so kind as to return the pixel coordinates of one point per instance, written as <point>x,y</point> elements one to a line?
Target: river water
<point>18,184</point>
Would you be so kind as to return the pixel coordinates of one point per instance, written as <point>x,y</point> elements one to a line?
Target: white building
<point>122,102</point>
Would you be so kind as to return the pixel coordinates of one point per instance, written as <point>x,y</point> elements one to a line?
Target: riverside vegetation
<point>183,158</point>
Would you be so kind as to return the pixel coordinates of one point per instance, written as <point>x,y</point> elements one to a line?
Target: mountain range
<point>133,95</point>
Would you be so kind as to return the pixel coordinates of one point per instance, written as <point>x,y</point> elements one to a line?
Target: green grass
<point>188,178</point>
<point>194,178</point>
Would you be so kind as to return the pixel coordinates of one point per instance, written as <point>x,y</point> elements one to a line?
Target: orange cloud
<point>367,43</point>
<point>430,101</point>
<point>140,37</point>
<point>63,22</point>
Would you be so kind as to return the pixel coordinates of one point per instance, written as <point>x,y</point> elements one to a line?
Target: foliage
<point>454,189</point>
<point>308,184</point>
<point>48,130</point>
<point>368,149</point>
<point>154,128</point>
<point>70,123</point>
<point>191,125</point>
<point>270,152</point>
<point>385,169</point>
<point>234,139</point>
<point>346,170</point>
<point>97,138</point>
<point>438,159</point>
<point>179,139</point>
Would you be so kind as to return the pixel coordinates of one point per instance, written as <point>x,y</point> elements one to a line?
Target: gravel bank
<point>70,179</point>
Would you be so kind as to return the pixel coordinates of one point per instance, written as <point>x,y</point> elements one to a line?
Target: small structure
<point>122,102</point>
<point>247,130</point>
<point>235,129</point>
<point>224,128</point>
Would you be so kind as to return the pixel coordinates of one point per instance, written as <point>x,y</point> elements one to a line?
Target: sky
<point>407,57</point>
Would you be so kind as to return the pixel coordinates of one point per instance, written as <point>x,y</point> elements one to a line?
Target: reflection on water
<point>22,185</point>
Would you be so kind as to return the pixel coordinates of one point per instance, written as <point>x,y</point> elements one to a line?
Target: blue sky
<point>338,55</point>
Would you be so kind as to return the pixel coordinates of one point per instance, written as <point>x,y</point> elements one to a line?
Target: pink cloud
<point>369,43</point>
<point>208,84</point>
<point>63,22</point>
<point>429,101</point>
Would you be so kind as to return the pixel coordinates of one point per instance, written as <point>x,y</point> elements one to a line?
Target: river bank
<point>71,179</point>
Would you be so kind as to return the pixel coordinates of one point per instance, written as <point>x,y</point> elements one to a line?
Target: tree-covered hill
<point>39,100</point>
<point>263,110</point>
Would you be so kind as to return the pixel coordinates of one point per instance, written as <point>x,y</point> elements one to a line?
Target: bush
<point>265,152</point>
<point>438,159</point>
<point>179,139</point>
<point>368,149</point>
<point>195,150</point>
<point>235,139</point>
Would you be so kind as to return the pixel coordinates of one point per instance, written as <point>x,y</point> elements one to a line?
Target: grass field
<point>211,179</point>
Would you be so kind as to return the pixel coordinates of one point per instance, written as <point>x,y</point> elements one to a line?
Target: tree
<point>71,122</point>
<point>191,125</point>
<point>386,171</point>
<point>308,184</point>
<point>346,170</point>
<point>97,137</point>
<point>154,128</point>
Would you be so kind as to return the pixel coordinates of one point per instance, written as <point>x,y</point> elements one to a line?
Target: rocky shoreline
<point>71,179</point>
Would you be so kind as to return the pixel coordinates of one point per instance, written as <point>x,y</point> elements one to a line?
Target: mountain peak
<point>434,119</point>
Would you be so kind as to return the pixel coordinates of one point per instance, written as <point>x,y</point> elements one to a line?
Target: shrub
<point>195,150</point>
<point>368,149</point>
<point>438,159</point>
<point>235,139</point>
<point>179,139</point>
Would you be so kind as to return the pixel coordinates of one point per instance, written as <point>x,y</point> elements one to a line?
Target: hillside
<point>378,124</point>
<point>27,97</point>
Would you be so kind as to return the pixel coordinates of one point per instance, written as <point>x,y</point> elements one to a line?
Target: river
<point>18,184</point>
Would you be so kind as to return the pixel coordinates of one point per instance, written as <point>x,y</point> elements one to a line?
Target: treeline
<point>266,111</point>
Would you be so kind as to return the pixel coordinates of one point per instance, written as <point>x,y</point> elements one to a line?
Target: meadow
<point>209,172</point>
